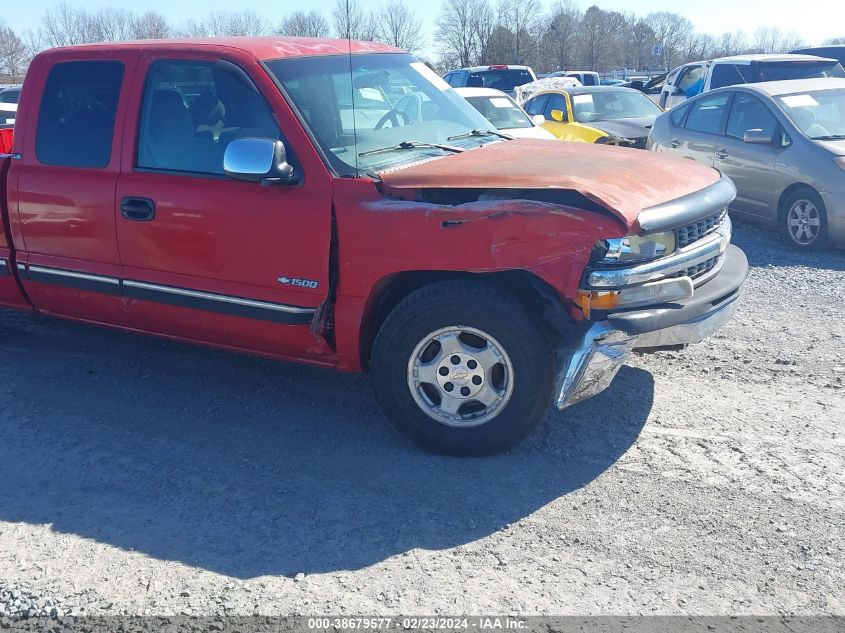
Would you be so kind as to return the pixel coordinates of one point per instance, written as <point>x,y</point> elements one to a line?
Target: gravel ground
<point>140,476</point>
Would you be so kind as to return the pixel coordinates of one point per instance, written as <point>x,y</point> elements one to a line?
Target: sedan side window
<point>536,105</point>
<point>708,113</point>
<point>193,109</point>
<point>691,81</point>
<point>556,102</point>
<point>749,113</point>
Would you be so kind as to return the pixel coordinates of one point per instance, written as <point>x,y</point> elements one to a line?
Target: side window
<point>76,118</point>
<point>556,102</point>
<point>749,113</point>
<point>691,81</point>
<point>192,110</point>
<point>726,75</point>
<point>706,114</point>
<point>448,78</point>
<point>677,115</point>
<point>537,104</point>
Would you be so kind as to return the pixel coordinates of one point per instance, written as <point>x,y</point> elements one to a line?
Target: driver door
<point>204,256</point>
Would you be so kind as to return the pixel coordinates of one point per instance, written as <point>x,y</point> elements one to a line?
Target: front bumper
<point>588,367</point>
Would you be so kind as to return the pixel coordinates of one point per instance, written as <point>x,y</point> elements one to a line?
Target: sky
<point>814,20</point>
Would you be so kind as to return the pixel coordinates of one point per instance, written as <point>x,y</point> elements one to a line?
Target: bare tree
<point>14,54</point>
<point>150,26</point>
<point>111,24</point>
<point>560,40</point>
<point>399,26</point>
<point>302,24</point>
<point>522,19</point>
<point>835,41</point>
<point>456,32</point>
<point>773,40</point>
<point>671,30</point>
<point>353,22</point>
<point>227,23</point>
<point>65,25</point>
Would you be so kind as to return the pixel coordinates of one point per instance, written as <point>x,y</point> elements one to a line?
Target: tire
<point>464,321</point>
<point>803,220</point>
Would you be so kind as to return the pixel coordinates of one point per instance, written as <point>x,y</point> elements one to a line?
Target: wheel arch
<point>784,196</point>
<point>524,285</point>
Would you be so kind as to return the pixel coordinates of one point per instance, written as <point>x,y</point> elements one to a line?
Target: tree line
<point>466,33</point>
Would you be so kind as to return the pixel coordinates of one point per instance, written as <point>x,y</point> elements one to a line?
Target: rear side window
<point>727,75</point>
<point>706,114</point>
<point>76,118</point>
<point>193,109</point>
<point>677,115</point>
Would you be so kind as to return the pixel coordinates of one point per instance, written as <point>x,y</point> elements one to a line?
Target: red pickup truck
<point>336,203</point>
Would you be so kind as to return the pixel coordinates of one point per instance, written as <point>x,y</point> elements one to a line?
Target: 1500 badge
<point>299,283</point>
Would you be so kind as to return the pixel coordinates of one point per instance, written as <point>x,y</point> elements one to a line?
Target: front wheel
<point>463,369</point>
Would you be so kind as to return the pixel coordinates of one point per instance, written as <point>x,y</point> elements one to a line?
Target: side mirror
<point>757,137</point>
<point>557,115</point>
<point>261,160</point>
<point>538,119</point>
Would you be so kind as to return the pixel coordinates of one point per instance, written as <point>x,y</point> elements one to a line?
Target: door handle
<point>138,209</point>
<point>721,153</point>
<point>674,143</point>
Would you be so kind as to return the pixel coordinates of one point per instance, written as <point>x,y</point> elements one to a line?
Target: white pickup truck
<point>697,77</point>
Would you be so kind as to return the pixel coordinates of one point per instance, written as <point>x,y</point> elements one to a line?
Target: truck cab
<point>340,205</point>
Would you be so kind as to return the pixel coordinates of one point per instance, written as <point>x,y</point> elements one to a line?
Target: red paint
<point>6,140</point>
<point>219,236</point>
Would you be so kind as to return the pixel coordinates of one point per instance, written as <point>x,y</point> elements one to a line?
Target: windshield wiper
<point>472,133</point>
<point>829,137</point>
<point>412,145</point>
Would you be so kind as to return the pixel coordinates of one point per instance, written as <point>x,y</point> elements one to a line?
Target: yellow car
<point>596,114</point>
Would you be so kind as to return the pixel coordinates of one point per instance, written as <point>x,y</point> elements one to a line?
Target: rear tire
<point>463,368</point>
<point>803,220</point>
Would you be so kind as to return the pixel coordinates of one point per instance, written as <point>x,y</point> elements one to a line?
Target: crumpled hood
<point>625,128</point>
<point>624,181</point>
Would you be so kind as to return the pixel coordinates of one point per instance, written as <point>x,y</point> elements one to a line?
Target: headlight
<point>633,249</point>
<point>840,161</point>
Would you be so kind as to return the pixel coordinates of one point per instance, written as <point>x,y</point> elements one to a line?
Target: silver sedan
<point>783,145</point>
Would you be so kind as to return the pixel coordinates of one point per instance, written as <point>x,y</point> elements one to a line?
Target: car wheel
<point>804,220</point>
<point>462,368</point>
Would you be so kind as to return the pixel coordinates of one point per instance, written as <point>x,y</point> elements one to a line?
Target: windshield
<point>395,99</point>
<point>819,114</point>
<point>505,79</point>
<point>501,112</point>
<point>612,104</point>
<point>779,71</point>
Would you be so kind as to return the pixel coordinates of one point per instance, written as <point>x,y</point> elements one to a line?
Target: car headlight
<point>840,160</point>
<point>633,249</point>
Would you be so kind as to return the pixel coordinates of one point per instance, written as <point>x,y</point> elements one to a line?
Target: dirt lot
<point>147,477</point>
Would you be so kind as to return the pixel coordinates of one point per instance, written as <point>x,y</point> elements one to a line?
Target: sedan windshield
<point>501,112</point>
<point>379,110</point>
<point>819,114</point>
<point>612,104</point>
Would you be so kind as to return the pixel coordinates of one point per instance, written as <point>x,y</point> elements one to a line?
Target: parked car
<point>783,145</point>
<point>10,95</point>
<point>256,195</point>
<point>697,77</point>
<point>833,51</point>
<point>8,112</point>
<point>504,113</point>
<point>498,76</point>
<point>584,77</point>
<point>596,114</point>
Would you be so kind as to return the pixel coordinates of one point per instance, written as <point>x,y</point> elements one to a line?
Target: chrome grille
<point>701,268</point>
<point>690,233</point>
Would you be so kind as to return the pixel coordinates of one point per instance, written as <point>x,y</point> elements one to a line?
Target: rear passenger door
<point>702,128</point>
<point>64,184</point>
<point>204,256</point>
